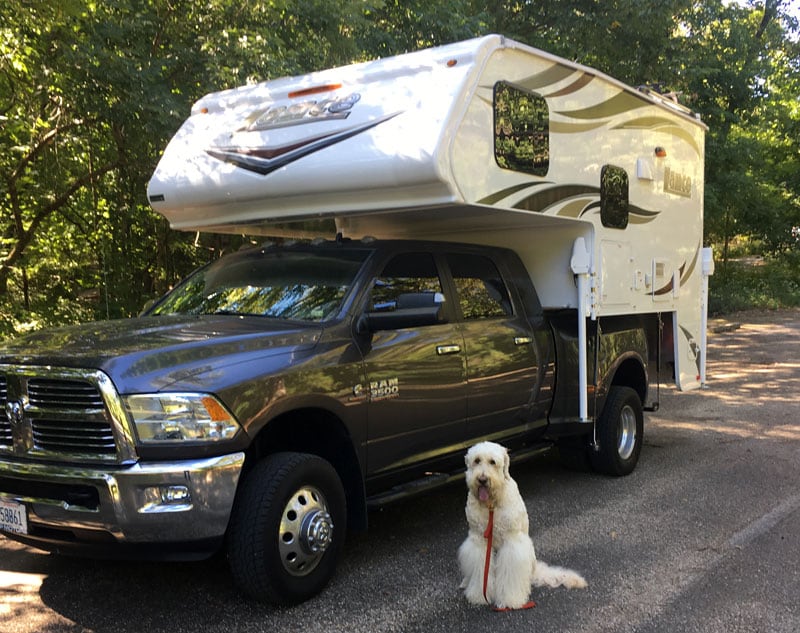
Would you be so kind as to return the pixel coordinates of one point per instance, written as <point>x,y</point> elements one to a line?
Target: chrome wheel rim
<point>306,531</point>
<point>627,432</point>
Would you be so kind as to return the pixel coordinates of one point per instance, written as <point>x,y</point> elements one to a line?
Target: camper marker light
<point>314,91</point>
<point>451,62</point>
<point>180,417</point>
<point>661,152</point>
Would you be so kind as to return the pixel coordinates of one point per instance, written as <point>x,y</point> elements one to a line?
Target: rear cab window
<point>482,293</point>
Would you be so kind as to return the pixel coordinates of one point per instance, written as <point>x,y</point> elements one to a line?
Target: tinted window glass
<point>308,286</point>
<point>614,197</point>
<point>404,281</point>
<point>521,130</point>
<point>481,291</point>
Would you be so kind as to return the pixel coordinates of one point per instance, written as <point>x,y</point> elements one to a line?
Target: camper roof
<point>387,136</point>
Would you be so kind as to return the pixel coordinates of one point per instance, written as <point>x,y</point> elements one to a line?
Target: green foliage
<point>91,92</point>
<point>744,79</point>
<point>772,283</point>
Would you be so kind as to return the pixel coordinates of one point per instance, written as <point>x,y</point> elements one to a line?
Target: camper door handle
<point>441,350</point>
<point>522,340</point>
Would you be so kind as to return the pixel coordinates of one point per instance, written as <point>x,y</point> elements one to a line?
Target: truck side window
<point>404,279</point>
<point>613,197</point>
<point>521,130</point>
<point>481,291</point>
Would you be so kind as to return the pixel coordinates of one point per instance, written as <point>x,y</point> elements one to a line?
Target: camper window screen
<point>521,130</point>
<point>613,197</point>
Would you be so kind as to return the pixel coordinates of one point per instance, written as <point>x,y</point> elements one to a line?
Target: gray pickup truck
<point>271,399</point>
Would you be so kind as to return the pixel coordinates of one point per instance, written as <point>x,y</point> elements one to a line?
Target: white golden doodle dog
<point>512,564</point>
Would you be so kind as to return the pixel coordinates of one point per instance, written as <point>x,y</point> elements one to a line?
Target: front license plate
<point>13,517</point>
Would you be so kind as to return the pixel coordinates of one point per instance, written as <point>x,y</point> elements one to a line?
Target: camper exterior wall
<point>237,159</point>
<point>408,147</point>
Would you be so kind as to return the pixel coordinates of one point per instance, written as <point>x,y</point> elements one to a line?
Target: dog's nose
<point>483,480</point>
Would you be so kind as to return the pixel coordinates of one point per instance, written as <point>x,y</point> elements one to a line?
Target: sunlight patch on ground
<point>17,590</point>
<point>743,430</point>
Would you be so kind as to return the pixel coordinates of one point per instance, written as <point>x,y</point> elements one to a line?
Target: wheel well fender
<point>320,433</point>
<point>630,372</point>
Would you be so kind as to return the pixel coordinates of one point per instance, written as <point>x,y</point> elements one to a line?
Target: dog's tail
<point>554,576</point>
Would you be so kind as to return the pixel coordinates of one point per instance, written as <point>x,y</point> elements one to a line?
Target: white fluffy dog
<point>513,567</point>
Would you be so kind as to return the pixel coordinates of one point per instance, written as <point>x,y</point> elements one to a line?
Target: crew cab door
<point>416,374</point>
<point>501,349</point>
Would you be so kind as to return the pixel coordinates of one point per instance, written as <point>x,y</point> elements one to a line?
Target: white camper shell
<point>598,186</point>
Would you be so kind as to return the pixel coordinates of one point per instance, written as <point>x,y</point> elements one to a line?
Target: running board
<point>432,481</point>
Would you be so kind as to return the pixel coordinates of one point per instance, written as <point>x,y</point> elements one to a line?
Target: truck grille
<point>47,393</point>
<point>67,415</point>
<point>80,436</point>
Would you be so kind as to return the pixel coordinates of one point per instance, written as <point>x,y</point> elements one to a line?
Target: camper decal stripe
<point>575,207</point>
<point>503,193</point>
<point>554,74</point>
<point>543,200</point>
<point>693,347</point>
<point>622,102</point>
<point>664,126</point>
<point>638,215</point>
<point>563,127</point>
<point>266,160</point>
<point>685,272</point>
<point>575,200</point>
<point>576,85</point>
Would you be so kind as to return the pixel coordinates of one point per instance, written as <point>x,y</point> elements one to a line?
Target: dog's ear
<point>506,464</point>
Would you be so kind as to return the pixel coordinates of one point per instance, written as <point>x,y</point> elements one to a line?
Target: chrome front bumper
<point>146,503</point>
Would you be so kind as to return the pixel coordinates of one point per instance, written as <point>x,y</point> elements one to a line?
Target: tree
<point>90,94</point>
<point>743,77</point>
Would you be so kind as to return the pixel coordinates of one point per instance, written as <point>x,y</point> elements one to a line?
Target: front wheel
<point>287,528</point>
<point>620,433</point>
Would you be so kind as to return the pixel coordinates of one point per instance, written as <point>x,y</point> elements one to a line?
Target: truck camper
<point>486,141</point>
<point>479,241</point>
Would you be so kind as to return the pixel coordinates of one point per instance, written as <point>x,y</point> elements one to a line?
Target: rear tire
<point>287,528</point>
<point>620,433</point>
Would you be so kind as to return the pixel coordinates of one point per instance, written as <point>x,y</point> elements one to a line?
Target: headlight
<point>180,417</point>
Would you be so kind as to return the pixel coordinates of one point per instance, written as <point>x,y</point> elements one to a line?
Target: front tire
<point>620,433</point>
<point>287,528</point>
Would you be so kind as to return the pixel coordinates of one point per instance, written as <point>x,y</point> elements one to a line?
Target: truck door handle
<point>522,340</point>
<point>441,350</point>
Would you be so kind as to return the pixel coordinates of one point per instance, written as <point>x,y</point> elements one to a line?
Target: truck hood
<point>155,353</point>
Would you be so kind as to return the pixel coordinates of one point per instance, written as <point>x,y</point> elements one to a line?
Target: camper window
<point>613,197</point>
<point>521,130</point>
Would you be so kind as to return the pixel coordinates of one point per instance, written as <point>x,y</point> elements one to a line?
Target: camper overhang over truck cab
<point>596,185</point>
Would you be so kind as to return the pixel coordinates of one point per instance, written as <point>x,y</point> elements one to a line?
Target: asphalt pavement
<point>704,536</point>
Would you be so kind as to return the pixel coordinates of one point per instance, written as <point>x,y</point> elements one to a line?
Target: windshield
<point>299,285</point>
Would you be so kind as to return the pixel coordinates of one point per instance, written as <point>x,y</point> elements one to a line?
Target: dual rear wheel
<point>619,434</point>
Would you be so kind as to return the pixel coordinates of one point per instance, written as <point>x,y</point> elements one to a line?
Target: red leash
<point>488,534</point>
